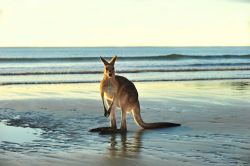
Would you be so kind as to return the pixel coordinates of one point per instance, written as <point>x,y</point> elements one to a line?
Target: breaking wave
<point>123,58</point>
<point>236,68</point>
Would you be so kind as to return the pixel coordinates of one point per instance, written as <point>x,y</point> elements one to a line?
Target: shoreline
<point>214,117</point>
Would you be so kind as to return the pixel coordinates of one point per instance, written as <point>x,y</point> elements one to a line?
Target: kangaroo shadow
<point>125,144</point>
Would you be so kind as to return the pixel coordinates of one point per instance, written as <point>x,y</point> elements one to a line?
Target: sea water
<point>82,64</point>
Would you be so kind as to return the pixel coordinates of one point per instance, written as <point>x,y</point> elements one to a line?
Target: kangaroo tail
<point>141,123</point>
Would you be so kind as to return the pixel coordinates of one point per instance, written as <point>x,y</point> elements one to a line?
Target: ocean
<point>139,64</point>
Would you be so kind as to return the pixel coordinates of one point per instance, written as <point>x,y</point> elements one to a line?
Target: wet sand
<point>48,125</point>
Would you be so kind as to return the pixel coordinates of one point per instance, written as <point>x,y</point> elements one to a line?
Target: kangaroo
<point>118,91</point>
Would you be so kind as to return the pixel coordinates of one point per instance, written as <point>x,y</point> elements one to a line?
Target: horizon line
<point>118,46</point>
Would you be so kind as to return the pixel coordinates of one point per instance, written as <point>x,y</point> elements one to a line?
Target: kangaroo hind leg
<point>123,120</point>
<point>112,116</point>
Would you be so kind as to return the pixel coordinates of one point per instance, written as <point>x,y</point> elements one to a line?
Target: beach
<point>48,125</point>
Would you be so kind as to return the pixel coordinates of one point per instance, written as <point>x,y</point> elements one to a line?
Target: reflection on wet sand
<point>122,145</point>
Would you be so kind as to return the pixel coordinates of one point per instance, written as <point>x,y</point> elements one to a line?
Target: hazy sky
<point>124,22</point>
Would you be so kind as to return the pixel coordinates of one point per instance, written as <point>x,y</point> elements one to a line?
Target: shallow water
<point>19,135</point>
<point>214,116</point>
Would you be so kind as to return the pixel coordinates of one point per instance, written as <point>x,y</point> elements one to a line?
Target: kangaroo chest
<point>109,90</point>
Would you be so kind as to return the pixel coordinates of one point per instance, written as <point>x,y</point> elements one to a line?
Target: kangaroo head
<point>109,67</point>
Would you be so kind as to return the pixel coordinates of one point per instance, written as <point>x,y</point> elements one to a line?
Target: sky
<point>79,23</point>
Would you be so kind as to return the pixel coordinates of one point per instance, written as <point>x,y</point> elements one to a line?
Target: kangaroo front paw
<point>106,113</point>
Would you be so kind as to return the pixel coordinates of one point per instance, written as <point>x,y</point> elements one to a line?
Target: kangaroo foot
<point>99,129</point>
<point>107,130</point>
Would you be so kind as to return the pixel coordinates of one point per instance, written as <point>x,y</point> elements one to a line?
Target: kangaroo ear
<point>112,61</point>
<point>104,61</point>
